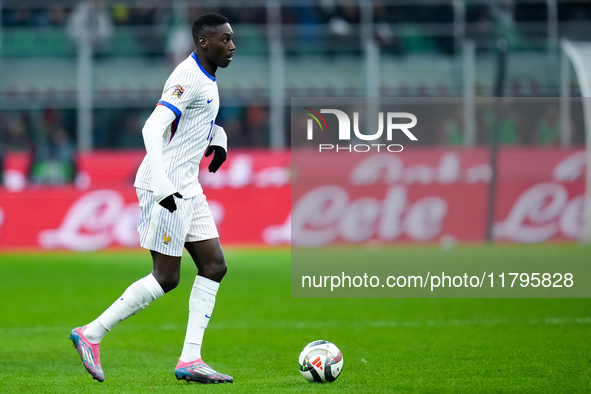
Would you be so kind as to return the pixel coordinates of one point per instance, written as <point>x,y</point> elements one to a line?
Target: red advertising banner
<point>436,195</point>
<point>247,196</point>
<point>419,195</point>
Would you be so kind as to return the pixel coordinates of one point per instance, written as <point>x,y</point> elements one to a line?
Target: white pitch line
<point>266,324</point>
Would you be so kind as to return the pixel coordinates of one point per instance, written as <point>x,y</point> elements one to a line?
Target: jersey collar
<point>208,75</point>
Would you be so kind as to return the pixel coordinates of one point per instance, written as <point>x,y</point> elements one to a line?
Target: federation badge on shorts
<point>178,91</point>
<point>166,239</point>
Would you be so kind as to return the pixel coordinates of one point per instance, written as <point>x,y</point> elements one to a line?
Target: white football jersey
<point>192,94</point>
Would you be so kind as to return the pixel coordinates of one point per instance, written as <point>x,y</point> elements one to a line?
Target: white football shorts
<point>166,232</point>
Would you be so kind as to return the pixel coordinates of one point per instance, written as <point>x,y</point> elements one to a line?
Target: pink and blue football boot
<point>198,371</point>
<point>89,353</point>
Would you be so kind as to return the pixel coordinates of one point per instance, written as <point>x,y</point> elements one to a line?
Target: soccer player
<point>174,211</point>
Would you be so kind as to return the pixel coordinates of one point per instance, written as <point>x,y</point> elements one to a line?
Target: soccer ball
<point>321,362</point>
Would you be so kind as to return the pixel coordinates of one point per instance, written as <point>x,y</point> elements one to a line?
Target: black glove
<point>169,203</point>
<point>218,158</point>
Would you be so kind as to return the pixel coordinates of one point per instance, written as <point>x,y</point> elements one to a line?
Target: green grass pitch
<point>257,331</point>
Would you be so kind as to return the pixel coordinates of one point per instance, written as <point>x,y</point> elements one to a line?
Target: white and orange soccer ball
<point>321,362</point>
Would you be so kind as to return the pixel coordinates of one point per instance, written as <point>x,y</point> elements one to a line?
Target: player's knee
<point>222,269</point>
<point>219,269</point>
<point>168,282</point>
<point>215,270</point>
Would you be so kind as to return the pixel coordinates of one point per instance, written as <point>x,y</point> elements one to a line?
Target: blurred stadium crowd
<point>39,115</point>
<point>401,27</point>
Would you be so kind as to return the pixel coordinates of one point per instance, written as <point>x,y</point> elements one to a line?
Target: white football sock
<point>134,299</point>
<point>201,304</point>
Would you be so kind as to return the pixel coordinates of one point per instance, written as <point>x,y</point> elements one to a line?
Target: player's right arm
<point>153,132</point>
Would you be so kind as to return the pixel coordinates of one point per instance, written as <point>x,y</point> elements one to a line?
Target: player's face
<point>221,48</point>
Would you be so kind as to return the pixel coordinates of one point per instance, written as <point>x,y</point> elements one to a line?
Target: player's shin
<point>201,303</point>
<point>135,298</point>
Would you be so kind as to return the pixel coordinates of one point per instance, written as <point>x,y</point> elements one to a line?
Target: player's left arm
<point>219,146</point>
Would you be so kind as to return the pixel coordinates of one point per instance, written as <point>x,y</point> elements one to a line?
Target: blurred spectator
<point>252,31</point>
<point>479,25</point>
<point>146,18</point>
<point>452,127</point>
<point>443,15</point>
<point>578,16</point>
<point>408,19</point>
<point>503,14</point>
<point>142,14</point>
<point>17,17</point>
<point>508,127</point>
<point>384,32</point>
<point>54,159</point>
<point>179,43</point>
<point>548,127</point>
<point>501,11</point>
<point>58,15</point>
<point>492,19</point>
<point>256,119</point>
<point>55,15</point>
<point>131,135</point>
<point>89,22</point>
<point>247,127</point>
<point>120,13</point>
<point>343,23</point>
<point>398,27</point>
<point>17,134</point>
<point>452,132</point>
<point>230,118</point>
<point>574,11</point>
<point>308,24</point>
<point>526,11</point>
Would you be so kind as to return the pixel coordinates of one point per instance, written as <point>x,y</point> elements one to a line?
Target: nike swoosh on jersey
<point>209,101</point>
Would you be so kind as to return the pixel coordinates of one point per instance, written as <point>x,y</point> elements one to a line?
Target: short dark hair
<point>207,23</point>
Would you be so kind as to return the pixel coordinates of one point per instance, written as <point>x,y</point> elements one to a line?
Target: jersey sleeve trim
<point>171,107</point>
